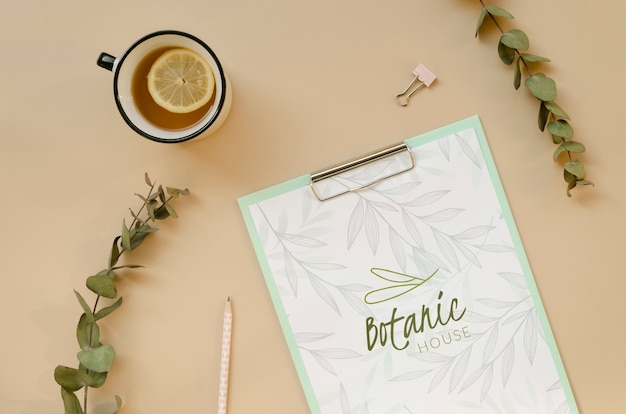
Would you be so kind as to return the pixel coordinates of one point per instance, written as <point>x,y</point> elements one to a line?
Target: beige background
<point>313,85</point>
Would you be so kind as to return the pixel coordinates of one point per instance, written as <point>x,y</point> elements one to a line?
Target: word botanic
<point>399,328</point>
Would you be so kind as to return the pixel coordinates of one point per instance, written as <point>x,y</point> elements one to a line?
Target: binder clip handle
<point>421,77</point>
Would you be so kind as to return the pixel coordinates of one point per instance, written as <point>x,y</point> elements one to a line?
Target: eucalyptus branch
<point>95,358</point>
<point>511,49</point>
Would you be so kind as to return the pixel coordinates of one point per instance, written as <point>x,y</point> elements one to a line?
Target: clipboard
<point>402,286</point>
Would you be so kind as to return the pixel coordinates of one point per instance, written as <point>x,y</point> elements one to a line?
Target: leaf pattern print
<point>296,268</point>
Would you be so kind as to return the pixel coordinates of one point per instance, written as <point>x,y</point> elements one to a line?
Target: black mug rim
<point>219,103</point>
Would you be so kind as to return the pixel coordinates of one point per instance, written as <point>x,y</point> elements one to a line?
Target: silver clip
<point>332,188</point>
<point>422,76</point>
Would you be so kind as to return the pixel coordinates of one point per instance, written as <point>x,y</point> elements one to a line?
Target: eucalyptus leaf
<point>517,74</point>
<point>556,140</point>
<point>556,109</point>
<point>71,404</point>
<point>97,378</point>
<point>87,333</point>
<point>528,57</point>
<point>126,266</point>
<point>162,194</point>
<point>97,359</point>
<point>575,168</point>
<point>544,113</point>
<point>515,39</point>
<point>107,310</point>
<point>102,285</point>
<point>176,192</point>
<point>574,146</point>
<point>571,185</point>
<point>498,11</point>
<point>147,179</point>
<point>136,238</point>
<point>568,146</point>
<point>115,252</point>
<point>142,199</point>
<point>71,379</point>
<point>118,404</point>
<point>481,19</point>
<point>146,228</point>
<point>139,233</point>
<point>125,236</point>
<point>83,304</point>
<point>507,54</point>
<point>161,213</point>
<point>561,128</point>
<point>151,207</point>
<point>543,87</point>
<point>107,272</point>
<point>171,210</point>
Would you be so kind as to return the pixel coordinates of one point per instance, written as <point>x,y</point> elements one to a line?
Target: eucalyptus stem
<point>551,116</point>
<point>95,358</point>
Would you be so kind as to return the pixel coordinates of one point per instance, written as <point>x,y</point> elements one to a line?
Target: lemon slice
<point>181,81</point>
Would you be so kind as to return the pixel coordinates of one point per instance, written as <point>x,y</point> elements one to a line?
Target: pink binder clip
<point>421,74</point>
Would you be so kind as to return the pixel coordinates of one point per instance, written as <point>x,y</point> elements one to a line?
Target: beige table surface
<point>313,85</point>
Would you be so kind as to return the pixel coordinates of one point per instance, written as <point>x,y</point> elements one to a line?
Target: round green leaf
<point>542,87</point>
<point>71,379</point>
<point>556,110</point>
<point>507,54</point>
<point>102,285</point>
<point>515,39</point>
<point>568,146</point>
<point>576,169</point>
<point>97,378</point>
<point>561,128</point>
<point>98,359</point>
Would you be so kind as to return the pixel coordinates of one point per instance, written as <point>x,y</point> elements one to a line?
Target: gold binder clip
<point>422,76</point>
<point>330,183</point>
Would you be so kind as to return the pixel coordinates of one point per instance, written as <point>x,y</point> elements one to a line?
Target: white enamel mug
<point>124,68</point>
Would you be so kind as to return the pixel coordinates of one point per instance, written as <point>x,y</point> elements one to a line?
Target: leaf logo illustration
<point>401,285</point>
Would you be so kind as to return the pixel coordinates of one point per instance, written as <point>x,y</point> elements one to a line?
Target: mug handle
<point>106,61</point>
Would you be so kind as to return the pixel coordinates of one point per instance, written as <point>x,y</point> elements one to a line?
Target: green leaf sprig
<point>512,49</point>
<point>96,358</point>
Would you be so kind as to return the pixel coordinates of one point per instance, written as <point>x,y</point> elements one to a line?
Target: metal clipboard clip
<point>361,172</point>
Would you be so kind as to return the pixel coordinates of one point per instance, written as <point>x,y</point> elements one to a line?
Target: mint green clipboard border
<point>472,122</point>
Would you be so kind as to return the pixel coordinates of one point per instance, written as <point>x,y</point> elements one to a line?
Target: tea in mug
<point>154,112</point>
